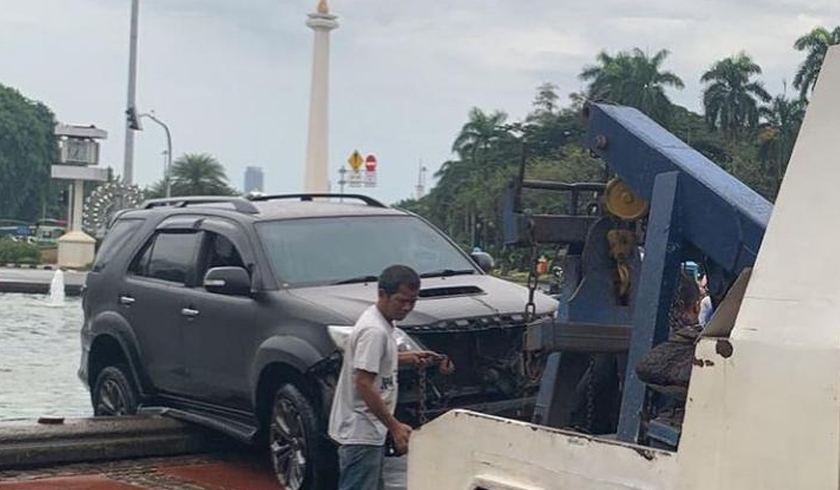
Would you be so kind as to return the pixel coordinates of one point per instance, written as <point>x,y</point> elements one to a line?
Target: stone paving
<point>243,470</point>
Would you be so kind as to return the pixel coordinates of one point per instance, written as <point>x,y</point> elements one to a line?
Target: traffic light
<point>133,119</point>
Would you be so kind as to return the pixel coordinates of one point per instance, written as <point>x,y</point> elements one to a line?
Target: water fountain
<point>57,289</point>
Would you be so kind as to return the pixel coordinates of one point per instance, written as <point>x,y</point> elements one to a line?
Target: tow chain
<point>533,276</point>
<point>421,387</point>
<point>590,395</point>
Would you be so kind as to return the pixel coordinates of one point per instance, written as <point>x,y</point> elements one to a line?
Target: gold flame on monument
<point>323,8</point>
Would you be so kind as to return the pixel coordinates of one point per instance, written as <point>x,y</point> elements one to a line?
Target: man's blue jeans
<point>360,467</point>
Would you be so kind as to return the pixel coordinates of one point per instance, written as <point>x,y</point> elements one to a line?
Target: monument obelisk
<point>317,161</point>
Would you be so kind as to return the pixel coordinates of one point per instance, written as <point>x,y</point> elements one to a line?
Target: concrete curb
<point>26,445</point>
<point>37,288</point>
<point>42,267</point>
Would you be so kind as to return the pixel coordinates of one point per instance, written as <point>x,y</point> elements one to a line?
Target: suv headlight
<point>340,334</point>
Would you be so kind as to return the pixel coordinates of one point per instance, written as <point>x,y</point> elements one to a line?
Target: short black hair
<point>397,276</point>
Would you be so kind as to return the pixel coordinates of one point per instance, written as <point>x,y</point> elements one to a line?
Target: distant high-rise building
<point>253,179</point>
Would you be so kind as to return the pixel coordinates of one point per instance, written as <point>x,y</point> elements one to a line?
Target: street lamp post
<point>130,111</point>
<point>168,150</point>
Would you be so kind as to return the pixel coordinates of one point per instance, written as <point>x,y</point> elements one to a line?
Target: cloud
<point>232,78</point>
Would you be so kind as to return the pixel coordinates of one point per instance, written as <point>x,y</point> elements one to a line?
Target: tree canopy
<point>28,148</point>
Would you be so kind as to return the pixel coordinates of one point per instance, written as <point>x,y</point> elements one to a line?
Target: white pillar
<point>78,205</point>
<point>317,154</point>
<point>75,248</point>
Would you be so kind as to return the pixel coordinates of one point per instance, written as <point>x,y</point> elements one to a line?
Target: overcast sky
<point>231,78</point>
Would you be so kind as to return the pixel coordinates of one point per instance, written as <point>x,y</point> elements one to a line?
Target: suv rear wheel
<point>294,441</point>
<point>114,393</point>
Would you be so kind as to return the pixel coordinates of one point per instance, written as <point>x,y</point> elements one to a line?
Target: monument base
<point>76,250</point>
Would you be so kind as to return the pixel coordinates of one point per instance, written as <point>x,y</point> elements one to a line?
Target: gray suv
<point>231,313</point>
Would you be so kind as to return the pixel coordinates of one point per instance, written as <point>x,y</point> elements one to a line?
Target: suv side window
<point>217,251</point>
<point>115,240</point>
<point>168,256</point>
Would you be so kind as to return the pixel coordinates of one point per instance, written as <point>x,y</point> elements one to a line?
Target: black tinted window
<point>115,240</point>
<point>218,252</point>
<point>169,257</point>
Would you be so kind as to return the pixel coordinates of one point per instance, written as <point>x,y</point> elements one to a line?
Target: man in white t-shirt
<point>366,394</point>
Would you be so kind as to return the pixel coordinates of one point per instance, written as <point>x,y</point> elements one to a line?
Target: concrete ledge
<point>24,445</point>
<point>37,288</point>
<point>37,281</point>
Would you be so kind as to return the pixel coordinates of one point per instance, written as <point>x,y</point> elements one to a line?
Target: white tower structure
<point>317,161</point>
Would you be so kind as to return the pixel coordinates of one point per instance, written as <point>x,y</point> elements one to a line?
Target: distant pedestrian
<point>366,394</point>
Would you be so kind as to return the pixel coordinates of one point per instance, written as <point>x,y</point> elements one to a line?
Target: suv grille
<point>469,324</point>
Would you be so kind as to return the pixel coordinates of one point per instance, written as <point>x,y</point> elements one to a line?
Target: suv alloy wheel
<point>114,393</point>
<point>293,441</point>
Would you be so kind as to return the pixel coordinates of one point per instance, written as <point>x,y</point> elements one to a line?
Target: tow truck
<point>763,406</point>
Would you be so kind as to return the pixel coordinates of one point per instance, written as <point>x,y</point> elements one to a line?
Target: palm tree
<point>816,44</point>
<point>634,79</point>
<point>732,97</point>
<point>199,174</point>
<point>479,133</point>
<point>777,135</point>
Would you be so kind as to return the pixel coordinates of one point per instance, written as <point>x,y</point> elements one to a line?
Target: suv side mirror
<point>484,260</point>
<point>228,280</point>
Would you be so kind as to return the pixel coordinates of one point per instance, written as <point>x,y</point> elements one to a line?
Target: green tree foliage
<point>744,130</point>
<point>732,96</point>
<point>777,135</point>
<point>815,44</point>
<point>634,79</point>
<point>194,174</point>
<point>27,149</point>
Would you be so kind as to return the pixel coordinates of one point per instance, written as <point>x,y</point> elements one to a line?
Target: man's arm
<point>367,391</point>
<point>426,358</point>
<point>399,431</point>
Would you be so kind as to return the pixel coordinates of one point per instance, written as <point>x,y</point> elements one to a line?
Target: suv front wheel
<point>296,456</point>
<point>114,392</point>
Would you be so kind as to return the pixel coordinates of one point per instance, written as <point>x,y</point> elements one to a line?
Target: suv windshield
<point>349,249</point>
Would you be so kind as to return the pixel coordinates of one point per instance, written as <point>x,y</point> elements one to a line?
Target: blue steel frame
<point>695,205</point>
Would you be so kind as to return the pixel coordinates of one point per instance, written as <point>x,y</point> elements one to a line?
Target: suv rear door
<point>220,342</point>
<point>151,299</point>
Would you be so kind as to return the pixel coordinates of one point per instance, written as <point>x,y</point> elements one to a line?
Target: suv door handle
<point>189,312</point>
<point>127,300</point>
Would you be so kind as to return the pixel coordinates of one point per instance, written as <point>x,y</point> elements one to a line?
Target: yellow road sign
<point>355,161</point>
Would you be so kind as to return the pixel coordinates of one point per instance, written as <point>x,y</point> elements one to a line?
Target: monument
<point>317,154</point>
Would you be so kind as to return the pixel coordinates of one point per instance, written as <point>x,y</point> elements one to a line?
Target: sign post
<point>370,171</point>
<point>355,161</point>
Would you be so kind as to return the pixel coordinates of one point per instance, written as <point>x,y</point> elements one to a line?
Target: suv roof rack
<point>239,204</point>
<point>313,195</point>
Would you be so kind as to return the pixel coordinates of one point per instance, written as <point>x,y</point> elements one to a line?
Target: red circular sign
<point>370,163</point>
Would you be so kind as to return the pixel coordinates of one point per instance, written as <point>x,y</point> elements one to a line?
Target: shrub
<point>18,252</point>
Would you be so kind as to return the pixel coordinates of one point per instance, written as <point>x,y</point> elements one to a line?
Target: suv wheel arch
<point>107,350</point>
<point>283,381</point>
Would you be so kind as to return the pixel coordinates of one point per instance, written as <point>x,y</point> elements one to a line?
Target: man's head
<point>398,289</point>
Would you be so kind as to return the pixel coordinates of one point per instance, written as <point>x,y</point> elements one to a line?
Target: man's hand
<point>424,358</point>
<point>446,366</point>
<point>418,358</point>
<point>401,433</point>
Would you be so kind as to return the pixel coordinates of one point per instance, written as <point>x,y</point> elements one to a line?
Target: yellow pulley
<point>621,201</point>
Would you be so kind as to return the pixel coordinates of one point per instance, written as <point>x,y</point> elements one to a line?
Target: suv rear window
<point>329,250</point>
<point>115,240</point>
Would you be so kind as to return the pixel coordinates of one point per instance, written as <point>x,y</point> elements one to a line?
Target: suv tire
<point>114,393</point>
<point>294,442</point>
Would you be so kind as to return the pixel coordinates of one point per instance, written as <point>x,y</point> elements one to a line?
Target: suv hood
<point>442,299</point>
